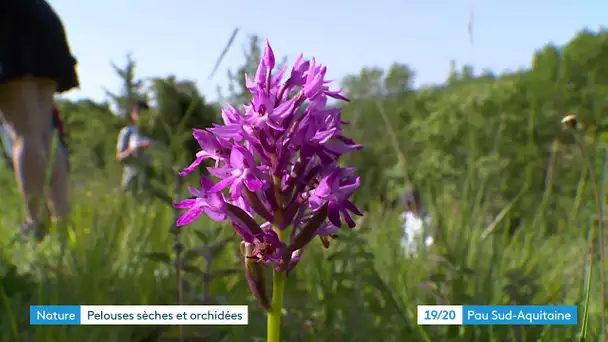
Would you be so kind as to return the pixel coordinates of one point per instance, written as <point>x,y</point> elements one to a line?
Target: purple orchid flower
<point>335,189</point>
<point>277,157</point>
<point>204,201</point>
<point>240,171</point>
<point>211,148</point>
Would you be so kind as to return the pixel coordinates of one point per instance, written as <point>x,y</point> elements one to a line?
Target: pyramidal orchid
<point>278,178</point>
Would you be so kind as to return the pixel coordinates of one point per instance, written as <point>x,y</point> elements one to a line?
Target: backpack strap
<point>123,138</point>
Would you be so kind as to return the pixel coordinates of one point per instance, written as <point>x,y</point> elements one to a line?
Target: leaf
<point>604,138</point>
<point>225,272</point>
<point>365,255</point>
<point>243,219</point>
<point>192,270</point>
<point>211,252</point>
<point>202,236</point>
<point>467,271</point>
<point>340,255</point>
<point>501,216</point>
<point>208,277</point>
<point>224,52</point>
<point>190,255</point>
<point>158,257</point>
<point>437,277</point>
<point>219,246</point>
<point>161,195</point>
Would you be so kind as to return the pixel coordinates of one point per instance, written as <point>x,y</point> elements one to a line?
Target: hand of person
<point>141,145</point>
<point>127,153</point>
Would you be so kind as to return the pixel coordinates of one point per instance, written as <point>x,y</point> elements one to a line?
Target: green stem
<point>600,226</point>
<point>278,290</point>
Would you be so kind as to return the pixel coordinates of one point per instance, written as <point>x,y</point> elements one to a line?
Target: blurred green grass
<point>359,289</point>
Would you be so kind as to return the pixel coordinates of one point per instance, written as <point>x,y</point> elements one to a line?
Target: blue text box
<point>519,314</point>
<point>55,315</point>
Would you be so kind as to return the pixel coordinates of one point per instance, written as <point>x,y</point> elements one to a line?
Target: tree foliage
<point>492,139</point>
<point>503,124</point>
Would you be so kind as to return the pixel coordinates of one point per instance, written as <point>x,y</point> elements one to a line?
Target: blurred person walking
<point>131,148</point>
<point>56,126</point>
<point>416,221</point>
<point>35,63</point>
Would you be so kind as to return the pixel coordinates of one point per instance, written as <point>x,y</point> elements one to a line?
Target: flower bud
<point>569,121</point>
<point>254,272</point>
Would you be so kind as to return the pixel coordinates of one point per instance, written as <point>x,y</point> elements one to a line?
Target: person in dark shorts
<point>35,63</point>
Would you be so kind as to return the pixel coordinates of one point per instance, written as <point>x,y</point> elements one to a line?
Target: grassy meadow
<point>508,189</point>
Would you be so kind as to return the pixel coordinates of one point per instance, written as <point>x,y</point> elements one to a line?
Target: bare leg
<point>58,195</point>
<point>27,115</point>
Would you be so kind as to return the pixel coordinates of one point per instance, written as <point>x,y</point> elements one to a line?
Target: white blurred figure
<point>416,222</point>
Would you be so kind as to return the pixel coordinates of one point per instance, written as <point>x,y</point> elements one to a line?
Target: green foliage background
<point>506,186</point>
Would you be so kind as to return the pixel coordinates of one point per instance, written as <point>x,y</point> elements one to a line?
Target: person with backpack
<point>131,148</point>
<point>35,63</point>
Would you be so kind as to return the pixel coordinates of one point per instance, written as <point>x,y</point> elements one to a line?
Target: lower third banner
<point>497,314</point>
<point>139,315</point>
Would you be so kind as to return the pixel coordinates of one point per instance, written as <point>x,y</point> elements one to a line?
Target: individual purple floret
<point>276,161</point>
